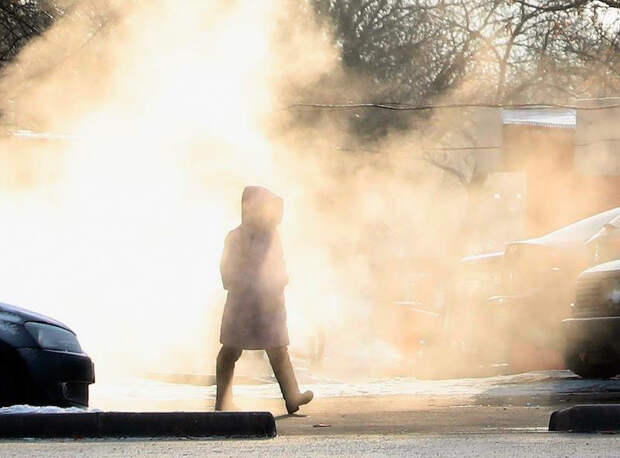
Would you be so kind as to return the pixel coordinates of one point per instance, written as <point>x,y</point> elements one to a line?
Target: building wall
<point>597,153</point>
<point>545,155</point>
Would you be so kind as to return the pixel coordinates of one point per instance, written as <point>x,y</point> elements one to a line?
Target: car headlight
<point>611,291</point>
<point>52,337</point>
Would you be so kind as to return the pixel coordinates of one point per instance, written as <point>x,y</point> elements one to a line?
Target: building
<point>541,168</point>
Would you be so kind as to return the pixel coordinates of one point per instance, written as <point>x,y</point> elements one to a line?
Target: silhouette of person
<point>254,274</point>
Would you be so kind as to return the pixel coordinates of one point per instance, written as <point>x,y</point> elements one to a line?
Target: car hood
<point>611,229</point>
<point>575,234</point>
<point>20,315</point>
<point>610,266</point>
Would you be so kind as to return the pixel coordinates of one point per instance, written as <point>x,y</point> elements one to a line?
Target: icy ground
<point>540,383</point>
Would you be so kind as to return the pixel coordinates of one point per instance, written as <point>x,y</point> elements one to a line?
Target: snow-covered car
<point>539,280</point>
<point>508,307</point>
<point>42,361</point>
<point>593,330</point>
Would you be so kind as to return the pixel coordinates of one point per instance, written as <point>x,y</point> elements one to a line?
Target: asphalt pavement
<point>495,416</point>
<point>448,445</point>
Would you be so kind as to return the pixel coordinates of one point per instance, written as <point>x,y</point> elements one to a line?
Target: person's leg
<point>224,371</point>
<point>283,370</point>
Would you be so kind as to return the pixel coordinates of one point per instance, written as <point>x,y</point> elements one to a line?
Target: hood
<point>20,315</point>
<point>612,229</point>
<point>260,208</point>
<point>575,234</point>
<point>608,267</point>
<point>483,257</point>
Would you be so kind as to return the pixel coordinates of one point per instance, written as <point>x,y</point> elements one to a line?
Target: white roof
<point>41,135</point>
<point>542,117</point>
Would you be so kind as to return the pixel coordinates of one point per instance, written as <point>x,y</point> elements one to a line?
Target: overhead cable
<point>401,106</point>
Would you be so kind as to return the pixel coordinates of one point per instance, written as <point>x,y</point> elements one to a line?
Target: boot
<point>283,370</point>
<point>224,371</point>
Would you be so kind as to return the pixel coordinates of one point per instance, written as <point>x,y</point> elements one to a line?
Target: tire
<point>9,391</point>
<point>588,370</point>
<point>12,379</point>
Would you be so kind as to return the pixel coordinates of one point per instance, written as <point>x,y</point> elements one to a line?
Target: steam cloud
<point>171,110</point>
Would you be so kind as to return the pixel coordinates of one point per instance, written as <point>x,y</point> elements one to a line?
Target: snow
<point>582,230</point>
<point>125,392</point>
<point>24,133</point>
<point>24,408</point>
<point>543,117</point>
<point>540,383</point>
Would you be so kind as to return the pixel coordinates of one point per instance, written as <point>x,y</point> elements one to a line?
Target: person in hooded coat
<point>254,274</point>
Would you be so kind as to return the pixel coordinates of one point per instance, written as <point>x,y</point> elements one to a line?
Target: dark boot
<point>224,371</point>
<point>283,370</point>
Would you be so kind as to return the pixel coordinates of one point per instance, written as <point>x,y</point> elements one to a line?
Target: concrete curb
<point>587,418</point>
<point>138,424</point>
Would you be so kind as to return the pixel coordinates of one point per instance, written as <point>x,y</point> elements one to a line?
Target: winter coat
<point>254,274</point>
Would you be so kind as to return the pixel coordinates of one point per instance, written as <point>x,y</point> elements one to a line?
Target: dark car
<point>42,361</point>
<point>539,285</point>
<point>508,307</point>
<point>450,327</point>
<point>593,330</point>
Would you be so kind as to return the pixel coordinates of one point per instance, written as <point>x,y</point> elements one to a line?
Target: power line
<point>401,106</point>
<point>31,135</point>
<point>457,148</point>
<point>469,148</point>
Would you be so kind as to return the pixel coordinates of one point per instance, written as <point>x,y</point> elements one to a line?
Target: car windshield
<point>480,277</point>
<point>477,287</point>
<point>528,268</point>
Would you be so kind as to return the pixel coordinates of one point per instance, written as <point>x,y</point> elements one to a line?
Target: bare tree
<point>563,5</point>
<point>391,50</point>
<point>493,51</point>
<point>20,21</point>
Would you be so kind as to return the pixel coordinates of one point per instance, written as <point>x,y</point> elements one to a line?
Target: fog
<point>115,224</point>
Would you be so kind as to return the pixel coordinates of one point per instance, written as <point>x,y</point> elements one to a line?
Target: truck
<point>592,332</point>
<point>514,310</point>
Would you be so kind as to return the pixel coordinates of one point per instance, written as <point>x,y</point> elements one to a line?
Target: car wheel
<point>575,362</point>
<point>12,387</point>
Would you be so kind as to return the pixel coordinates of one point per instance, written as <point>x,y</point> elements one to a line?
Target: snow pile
<point>24,408</point>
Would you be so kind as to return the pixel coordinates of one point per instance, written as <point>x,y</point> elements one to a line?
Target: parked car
<point>539,278</point>
<point>506,308</point>
<point>593,330</point>
<point>419,312</point>
<point>42,361</point>
<point>471,325</point>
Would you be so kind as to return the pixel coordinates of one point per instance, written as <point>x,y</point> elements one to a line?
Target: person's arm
<point>230,263</point>
<point>281,274</point>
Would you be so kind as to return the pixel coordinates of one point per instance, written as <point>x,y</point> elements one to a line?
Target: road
<point>450,445</point>
<point>502,416</point>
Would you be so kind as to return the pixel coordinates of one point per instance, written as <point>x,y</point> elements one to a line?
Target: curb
<point>138,424</point>
<point>587,418</point>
